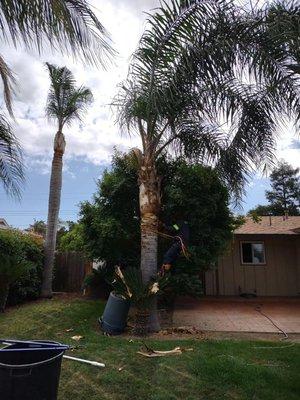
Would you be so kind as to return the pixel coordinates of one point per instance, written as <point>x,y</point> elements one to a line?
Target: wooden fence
<point>70,271</point>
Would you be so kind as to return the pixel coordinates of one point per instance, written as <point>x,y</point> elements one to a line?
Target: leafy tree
<point>261,210</point>
<point>67,25</point>
<point>110,224</point>
<point>65,104</point>
<point>38,227</point>
<point>187,78</point>
<point>64,227</point>
<point>285,194</point>
<point>72,240</point>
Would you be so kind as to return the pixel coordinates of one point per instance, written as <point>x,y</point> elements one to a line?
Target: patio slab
<point>230,314</point>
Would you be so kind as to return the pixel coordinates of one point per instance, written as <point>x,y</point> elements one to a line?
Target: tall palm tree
<point>209,80</point>
<point>66,103</point>
<point>69,26</point>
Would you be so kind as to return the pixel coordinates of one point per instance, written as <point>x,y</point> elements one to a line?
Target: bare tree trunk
<point>149,209</point>
<point>53,212</point>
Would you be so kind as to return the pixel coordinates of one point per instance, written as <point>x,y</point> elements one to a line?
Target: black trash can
<point>30,371</point>
<point>114,318</point>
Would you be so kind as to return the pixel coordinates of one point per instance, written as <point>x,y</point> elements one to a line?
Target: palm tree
<point>65,25</point>
<point>65,104</point>
<point>209,80</point>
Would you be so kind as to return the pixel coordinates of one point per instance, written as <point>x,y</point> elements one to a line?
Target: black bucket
<point>114,318</point>
<point>30,371</point>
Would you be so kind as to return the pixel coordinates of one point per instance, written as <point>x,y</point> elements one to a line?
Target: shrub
<point>21,265</point>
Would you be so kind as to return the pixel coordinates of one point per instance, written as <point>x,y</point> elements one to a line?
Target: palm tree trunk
<point>149,193</point>
<point>53,212</point>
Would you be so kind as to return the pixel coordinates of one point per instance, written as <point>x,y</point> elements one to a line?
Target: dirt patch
<point>184,333</point>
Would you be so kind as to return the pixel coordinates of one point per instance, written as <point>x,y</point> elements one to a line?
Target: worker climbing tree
<point>180,232</point>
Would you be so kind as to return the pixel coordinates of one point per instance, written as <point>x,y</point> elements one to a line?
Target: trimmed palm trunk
<point>53,212</point>
<point>149,193</point>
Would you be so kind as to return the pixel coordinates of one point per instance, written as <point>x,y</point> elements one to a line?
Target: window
<point>253,253</point>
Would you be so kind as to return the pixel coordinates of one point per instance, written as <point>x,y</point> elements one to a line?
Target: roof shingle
<point>270,226</point>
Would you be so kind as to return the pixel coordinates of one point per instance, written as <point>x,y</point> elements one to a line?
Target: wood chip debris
<point>77,338</point>
<point>186,330</point>
<point>148,352</point>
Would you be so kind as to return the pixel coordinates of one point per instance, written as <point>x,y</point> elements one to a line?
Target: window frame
<point>252,242</point>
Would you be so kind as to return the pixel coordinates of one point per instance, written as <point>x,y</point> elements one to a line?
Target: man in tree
<point>285,194</point>
<point>181,233</point>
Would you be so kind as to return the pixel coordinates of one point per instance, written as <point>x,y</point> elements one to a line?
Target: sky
<point>90,144</point>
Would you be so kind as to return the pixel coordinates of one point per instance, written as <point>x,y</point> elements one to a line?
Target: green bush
<point>21,262</point>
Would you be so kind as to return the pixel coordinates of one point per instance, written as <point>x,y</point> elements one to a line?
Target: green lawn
<point>214,370</point>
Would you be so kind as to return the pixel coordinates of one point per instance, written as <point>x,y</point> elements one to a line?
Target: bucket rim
<point>36,364</point>
<point>32,365</point>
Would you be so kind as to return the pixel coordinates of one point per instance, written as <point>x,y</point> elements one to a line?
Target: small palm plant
<point>129,285</point>
<point>12,267</point>
<point>66,103</point>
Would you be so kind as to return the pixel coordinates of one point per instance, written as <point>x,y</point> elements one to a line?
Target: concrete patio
<point>236,314</point>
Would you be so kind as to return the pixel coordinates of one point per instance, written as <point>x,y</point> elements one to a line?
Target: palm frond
<point>200,62</point>
<point>66,25</point>
<point>11,163</point>
<point>8,81</point>
<point>65,101</point>
<point>78,102</point>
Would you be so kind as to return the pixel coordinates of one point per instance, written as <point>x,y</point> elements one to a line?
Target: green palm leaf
<point>67,25</point>
<point>11,169</point>
<point>65,101</point>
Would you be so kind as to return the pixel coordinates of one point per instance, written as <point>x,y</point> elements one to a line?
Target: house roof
<point>278,226</point>
<point>3,224</point>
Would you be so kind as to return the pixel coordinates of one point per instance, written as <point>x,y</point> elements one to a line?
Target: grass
<point>214,370</point>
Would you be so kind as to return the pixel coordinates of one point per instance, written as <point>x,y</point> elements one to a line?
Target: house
<point>263,260</point>
<point>3,224</point>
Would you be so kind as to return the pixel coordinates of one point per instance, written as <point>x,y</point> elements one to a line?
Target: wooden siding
<point>280,276</point>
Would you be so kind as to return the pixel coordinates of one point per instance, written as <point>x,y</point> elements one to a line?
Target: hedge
<point>29,248</point>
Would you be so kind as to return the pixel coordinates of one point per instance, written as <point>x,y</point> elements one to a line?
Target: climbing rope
<point>184,249</point>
